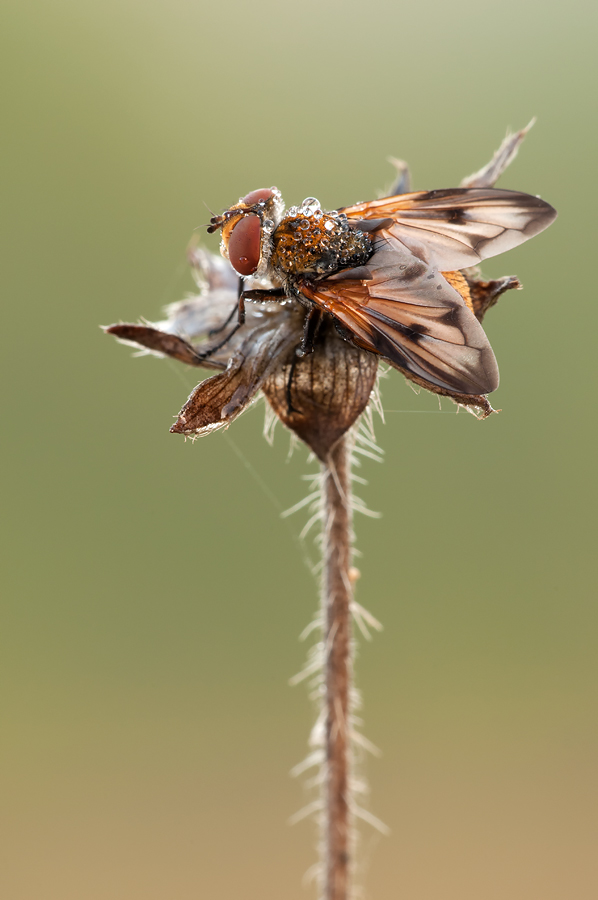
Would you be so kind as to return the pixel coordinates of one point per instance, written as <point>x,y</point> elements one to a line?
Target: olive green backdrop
<point>152,595</point>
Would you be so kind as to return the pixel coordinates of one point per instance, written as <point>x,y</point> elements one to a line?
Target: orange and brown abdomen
<point>458,282</point>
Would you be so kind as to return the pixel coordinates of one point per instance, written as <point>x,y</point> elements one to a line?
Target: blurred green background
<point>152,596</point>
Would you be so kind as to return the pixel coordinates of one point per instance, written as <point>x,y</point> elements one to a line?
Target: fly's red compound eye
<point>255,196</point>
<point>245,243</point>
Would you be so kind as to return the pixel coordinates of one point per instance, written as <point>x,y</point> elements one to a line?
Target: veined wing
<point>406,311</point>
<point>456,228</point>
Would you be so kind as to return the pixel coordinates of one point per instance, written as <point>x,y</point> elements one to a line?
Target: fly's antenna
<point>209,209</point>
<point>215,222</point>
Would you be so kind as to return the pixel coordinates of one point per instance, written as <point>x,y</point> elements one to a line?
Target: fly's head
<point>247,229</point>
<point>310,241</point>
<point>260,239</point>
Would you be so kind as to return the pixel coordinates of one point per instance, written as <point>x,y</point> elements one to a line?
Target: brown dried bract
<point>217,401</point>
<point>484,294</point>
<point>329,390</point>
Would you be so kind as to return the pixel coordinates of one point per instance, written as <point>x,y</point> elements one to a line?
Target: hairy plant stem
<point>338,672</point>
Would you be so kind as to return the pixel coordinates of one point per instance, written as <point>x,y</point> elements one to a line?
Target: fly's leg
<point>311,327</point>
<point>230,317</point>
<point>275,294</point>
<point>204,354</point>
<point>290,407</point>
<point>265,295</point>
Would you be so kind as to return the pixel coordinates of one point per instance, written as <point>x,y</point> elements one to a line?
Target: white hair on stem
<point>336,743</point>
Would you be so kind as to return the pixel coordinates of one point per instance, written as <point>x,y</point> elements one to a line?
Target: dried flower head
<point>378,280</point>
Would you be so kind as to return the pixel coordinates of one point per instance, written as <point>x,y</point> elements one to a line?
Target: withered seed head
<point>330,389</point>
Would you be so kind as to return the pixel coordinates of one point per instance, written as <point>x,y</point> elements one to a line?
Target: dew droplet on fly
<point>310,206</point>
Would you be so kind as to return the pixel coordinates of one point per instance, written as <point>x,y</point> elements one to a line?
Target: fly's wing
<point>457,228</point>
<point>406,311</point>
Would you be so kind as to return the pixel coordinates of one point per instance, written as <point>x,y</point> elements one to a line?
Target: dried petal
<point>329,390</point>
<point>402,182</point>
<point>200,318</point>
<point>162,343</point>
<point>478,404</point>
<point>217,401</point>
<point>485,294</point>
<point>211,272</point>
<point>489,174</point>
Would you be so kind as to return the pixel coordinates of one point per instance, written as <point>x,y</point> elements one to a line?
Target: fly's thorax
<point>309,240</point>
